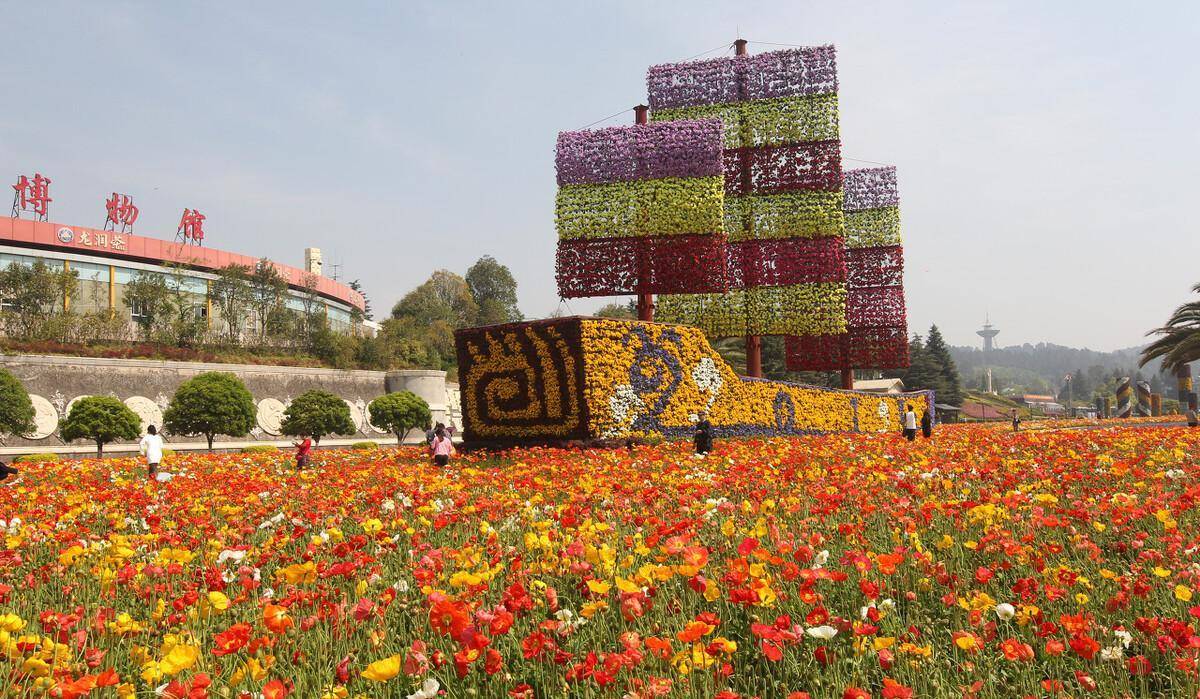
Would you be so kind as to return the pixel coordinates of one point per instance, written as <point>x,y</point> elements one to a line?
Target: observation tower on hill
<point>988,333</point>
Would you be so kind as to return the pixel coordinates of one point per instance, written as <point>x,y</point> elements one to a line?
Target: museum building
<point>105,261</point>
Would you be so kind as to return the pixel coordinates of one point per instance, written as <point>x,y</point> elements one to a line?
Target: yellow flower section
<point>798,309</point>
<point>680,375</point>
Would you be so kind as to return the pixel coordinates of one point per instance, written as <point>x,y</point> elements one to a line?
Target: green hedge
<point>365,445</point>
<point>259,449</point>
<point>36,458</point>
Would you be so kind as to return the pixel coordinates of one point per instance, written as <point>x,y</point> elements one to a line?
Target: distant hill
<point>1041,368</point>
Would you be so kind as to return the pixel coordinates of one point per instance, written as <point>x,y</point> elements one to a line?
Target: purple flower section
<point>686,148</point>
<point>870,188</point>
<point>804,71</point>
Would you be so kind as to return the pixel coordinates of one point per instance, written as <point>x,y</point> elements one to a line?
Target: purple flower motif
<point>870,188</point>
<point>804,71</point>
<point>688,148</point>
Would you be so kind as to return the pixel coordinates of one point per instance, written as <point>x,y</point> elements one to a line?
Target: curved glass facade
<point>102,283</point>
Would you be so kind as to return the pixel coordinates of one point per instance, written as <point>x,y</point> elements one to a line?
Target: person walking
<point>1016,421</point>
<point>303,449</point>
<point>703,440</point>
<point>441,448</point>
<point>927,424</point>
<point>151,447</point>
<point>6,471</point>
<point>910,423</point>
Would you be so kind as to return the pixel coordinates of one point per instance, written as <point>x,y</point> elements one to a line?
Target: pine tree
<point>949,389</point>
<point>923,371</point>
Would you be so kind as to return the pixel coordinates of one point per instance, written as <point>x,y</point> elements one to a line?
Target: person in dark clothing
<point>6,471</point>
<point>1016,421</point>
<point>703,437</point>
<point>926,425</point>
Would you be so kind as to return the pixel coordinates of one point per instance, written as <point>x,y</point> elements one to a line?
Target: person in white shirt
<point>910,423</point>
<point>152,447</point>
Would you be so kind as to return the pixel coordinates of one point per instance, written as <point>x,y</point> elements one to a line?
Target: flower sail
<point>640,209</point>
<point>783,189</point>
<point>876,334</point>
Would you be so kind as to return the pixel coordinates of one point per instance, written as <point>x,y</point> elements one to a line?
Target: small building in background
<point>1046,404</point>
<point>883,386</point>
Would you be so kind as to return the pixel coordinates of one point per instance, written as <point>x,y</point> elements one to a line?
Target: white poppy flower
<point>429,689</point>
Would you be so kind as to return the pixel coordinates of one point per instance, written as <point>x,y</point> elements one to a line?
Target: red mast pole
<point>753,342</point>
<point>645,301</point>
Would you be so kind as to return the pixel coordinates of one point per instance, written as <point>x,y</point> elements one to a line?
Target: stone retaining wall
<point>147,386</point>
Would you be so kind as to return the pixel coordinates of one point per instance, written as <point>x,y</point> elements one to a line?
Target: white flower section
<point>624,406</point>
<point>708,379</point>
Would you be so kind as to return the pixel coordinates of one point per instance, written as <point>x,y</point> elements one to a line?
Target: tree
<point>1179,343</point>
<point>266,292</point>
<point>400,412</point>
<point>313,321</point>
<point>32,293</point>
<point>949,389</point>
<point>366,311</point>
<point>923,373</point>
<point>102,419</point>
<point>317,413</point>
<point>148,298</point>
<point>16,411</point>
<point>429,314</point>
<point>189,321</point>
<point>621,311</point>
<point>444,297</point>
<point>1077,389</point>
<point>230,293</point>
<point>494,290</point>
<point>211,403</point>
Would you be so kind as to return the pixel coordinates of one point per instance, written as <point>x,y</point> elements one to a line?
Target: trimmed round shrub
<point>400,412</point>
<point>102,419</point>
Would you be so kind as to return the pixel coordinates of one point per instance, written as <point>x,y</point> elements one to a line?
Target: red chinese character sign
<point>639,210</point>
<point>191,227</point>
<point>32,195</point>
<point>121,212</point>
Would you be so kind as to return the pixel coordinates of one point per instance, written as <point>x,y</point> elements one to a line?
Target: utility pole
<point>753,342</point>
<point>645,300</point>
<point>1070,398</point>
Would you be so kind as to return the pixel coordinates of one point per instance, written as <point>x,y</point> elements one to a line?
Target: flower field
<point>983,563</point>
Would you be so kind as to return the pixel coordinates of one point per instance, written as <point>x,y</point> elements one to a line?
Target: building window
<point>136,313</point>
<point>201,311</point>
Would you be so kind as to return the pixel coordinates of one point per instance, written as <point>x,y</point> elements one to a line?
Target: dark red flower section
<point>877,324</point>
<point>786,261</point>
<point>860,347</point>
<point>875,307</point>
<point>812,166</point>
<point>867,267</point>
<point>660,265</point>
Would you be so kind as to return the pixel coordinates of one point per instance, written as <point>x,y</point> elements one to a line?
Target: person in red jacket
<point>302,450</point>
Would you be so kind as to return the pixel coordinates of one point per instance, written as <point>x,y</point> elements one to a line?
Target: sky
<point>1047,155</point>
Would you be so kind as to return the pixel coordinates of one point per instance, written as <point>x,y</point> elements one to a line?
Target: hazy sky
<point>1047,151</point>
